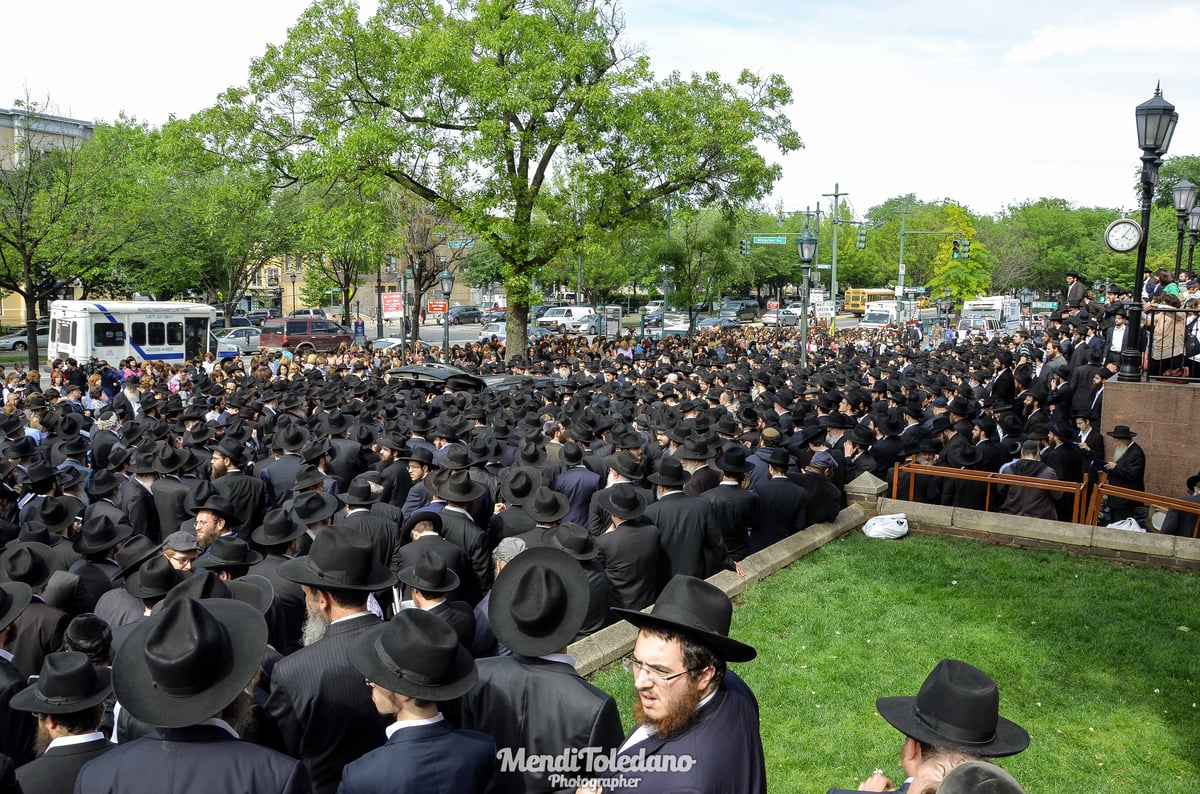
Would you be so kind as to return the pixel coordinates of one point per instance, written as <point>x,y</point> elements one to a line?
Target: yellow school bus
<point>857,299</point>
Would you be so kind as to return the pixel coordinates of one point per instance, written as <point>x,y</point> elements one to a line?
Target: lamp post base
<point>1131,355</point>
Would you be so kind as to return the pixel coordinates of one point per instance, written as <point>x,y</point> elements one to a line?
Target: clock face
<point>1123,235</point>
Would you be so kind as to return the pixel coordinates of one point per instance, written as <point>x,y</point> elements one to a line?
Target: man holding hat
<point>318,702</point>
<point>534,703</point>
<point>68,700</point>
<point>412,663</point>
<point>955,718</point>
<point>689,705</point>
<point>185,670</point>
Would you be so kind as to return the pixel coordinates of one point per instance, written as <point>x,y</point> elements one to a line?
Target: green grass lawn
<point>1099,662</point>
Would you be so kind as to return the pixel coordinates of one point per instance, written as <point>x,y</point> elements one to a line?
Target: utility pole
<point>835,195</point>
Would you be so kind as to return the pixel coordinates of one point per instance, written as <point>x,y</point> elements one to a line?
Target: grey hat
<point>181,541</point>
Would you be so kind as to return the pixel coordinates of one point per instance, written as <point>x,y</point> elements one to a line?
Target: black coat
<point>322,708</point>
<point>1021,501</point>
<point>786,515</point>
<point>39,633</point>
<point>201,759</point>
<point>285,619</point>
<point>541,707</point>
<point>17,728</point>
<point>278,478</point>
<point>461,618</point>
<point>630,555</point>
<point>459,760</point>
<point>463,532</point>
<point>138,505</point>
<point>248,495</point>
<point>687,536</point>
<point>454,557</point>
<point>823,500</point>
<point>169,494</point>
<point>55,771</point>
<point>734,511</point>
<point>383,534</point>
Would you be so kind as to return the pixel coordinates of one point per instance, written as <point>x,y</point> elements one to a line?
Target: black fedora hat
<point>232,449</point>
<point>958,706</point>
<point>859,435</point>
<point>309,508</point>
<point>574,540</point>
<point>420,455</point>
<point>169,460</point>
<point>626,465</point>
<point>36,532</point>
<point>539,601</point>
<point>27,563</point>
<point>279,526</point>
<point>292,437</point>
<point>415,654</point>
<point>105,481</point>
<point>70,476</point>
<point>547,506</point>
<point>734,461</point>
<point>698,608</point>
<point>227,552</point>
<point>518,484</point>
<point>154,579</point>
<point>341,558</point>
<point>136,551</point>
<point>40,474</point>
<point>306,477</point>
<point>963,455</point>
<point>217,504</point>
<point>622,500</point>
<point>1121,431</point>
<point>68,682</point>
<point>456,456</point>
<point>429,574</point>
<point>457,486</point>
<point>189,661</point>
<point>670,474</point>
<point>100,533</point>
<point>696,448</point>
<point>359,494</point>
<point>14,597</point>
<point>257,591</point>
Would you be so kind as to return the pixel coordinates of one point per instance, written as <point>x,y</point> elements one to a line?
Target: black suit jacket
<point>786,515</point>
<point>347,462</point>
<point>702,479</point>
<point>285,619</point>
<point>539,706</point>
<point>464,533</point>
<point>103,507</point>
<point>55,771</point>
<point>687,536</point>
<point>17,728</point>
<point>202,759</point>
<point>734,511</point>
<point>461,618</point>
<point>823,500</point>
<point>138,505</point>
<point>278,478</point>
<point>460,761</point>
<point>248,495</point>
<point>322,706</point>
<point>39,632</point>
<point>454,557</point>
<point>383,534</point>
<point>169,494</point>
<point>630,555</point>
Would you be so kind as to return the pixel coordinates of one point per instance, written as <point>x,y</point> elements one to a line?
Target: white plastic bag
<point>1127,524</point>
<point>887,527</point>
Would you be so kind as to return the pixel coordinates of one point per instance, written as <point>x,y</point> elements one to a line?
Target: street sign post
<point>437,306</point>
<point>462,243</point>
<point>770,241</point>
<point>393,305</point>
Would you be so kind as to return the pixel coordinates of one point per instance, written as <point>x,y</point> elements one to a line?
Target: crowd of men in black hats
<point>282,539</point>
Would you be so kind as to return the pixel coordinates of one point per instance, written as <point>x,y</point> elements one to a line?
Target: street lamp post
<point>1156,119</point>
<point>379,300</point>
<point>405,275</point>
<point>1193,224</point>
<point>1184,194</point>
<point>446,281</point>
<point>292,276</point>
<point>806,248</point>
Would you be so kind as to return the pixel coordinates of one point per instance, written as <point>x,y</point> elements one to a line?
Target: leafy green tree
<point>468,105</point>
<point>67,211</point>
<point>965,277</point>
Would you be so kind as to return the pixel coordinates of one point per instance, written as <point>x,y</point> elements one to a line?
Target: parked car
<point>498,330</point>
<point>458,315</point>
<point>306,335</point>
<point>494,316</point>
<point>245,339</point>
<point>18,340</point>
<point>238,322</point>
<point>780,317</point>
<point>651,306</point>
<point>575,319</point>
<point>654,319</point>
<point>318,312</point>
<point>718,322</point>
<point>738,311</point>
<point>260,316</point>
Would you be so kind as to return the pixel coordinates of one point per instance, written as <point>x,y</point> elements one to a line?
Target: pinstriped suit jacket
<point>322,706</point>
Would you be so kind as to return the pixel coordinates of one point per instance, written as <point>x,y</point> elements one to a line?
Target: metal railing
<point>1166,502</point>
<point>1165,342</point>
<point>1076,489</point>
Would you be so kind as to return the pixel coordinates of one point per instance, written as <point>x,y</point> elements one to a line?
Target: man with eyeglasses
<point>697,721</point>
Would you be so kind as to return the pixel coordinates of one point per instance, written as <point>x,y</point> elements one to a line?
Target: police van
<point>114,330</point>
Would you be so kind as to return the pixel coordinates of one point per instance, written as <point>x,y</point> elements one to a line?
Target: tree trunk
<point>31,329</point>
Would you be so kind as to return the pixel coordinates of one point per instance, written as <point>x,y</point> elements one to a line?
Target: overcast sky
<point>986,103</point>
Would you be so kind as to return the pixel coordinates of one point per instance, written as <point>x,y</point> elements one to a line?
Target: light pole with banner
<point>446,282</point>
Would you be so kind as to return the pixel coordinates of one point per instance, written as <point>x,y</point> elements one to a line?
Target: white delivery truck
<point>1005,311</point>
<point>113,330</point>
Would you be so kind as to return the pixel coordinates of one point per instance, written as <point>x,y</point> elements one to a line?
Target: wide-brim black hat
<point>227,552</point>
<point>734,461</point>
<point>700,609</point>
<point>574,540</point>
<point>546,506</point>
<point>1121,431</point>
<point>189,661</point>
<point>68,682</point>
<point>432,516</point>
<point>670,473</point>
<point>958,706</point>
<point>341,558</point>
<point>155,578</point>
<point>518,484</point>
<point>622,500</point>
<point>14,597</point>
<point>100,533</point>
<point>456,486</point>
<point>359,494</point>
<point>539,601</point>
<point>311,507</point>
<point>429,574</point>
<point>415,654</point>
<point>257,591</point>
<point>961,455</point>
<point>26,562</point>
<point>279,526</point>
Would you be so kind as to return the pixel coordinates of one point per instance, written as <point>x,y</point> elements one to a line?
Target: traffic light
<point>955,253</point>
<point>862,237</point>
<point>745,247</point>
<point>966,249</point>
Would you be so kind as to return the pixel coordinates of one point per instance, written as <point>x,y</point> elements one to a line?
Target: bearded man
<point>318,700</point>
<point>1127,469</point>
<point>697,721</point>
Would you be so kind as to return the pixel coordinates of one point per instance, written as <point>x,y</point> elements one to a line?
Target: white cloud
<point>1132,30</point>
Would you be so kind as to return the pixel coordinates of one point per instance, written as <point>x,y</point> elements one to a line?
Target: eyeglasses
<point>634,666</point>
